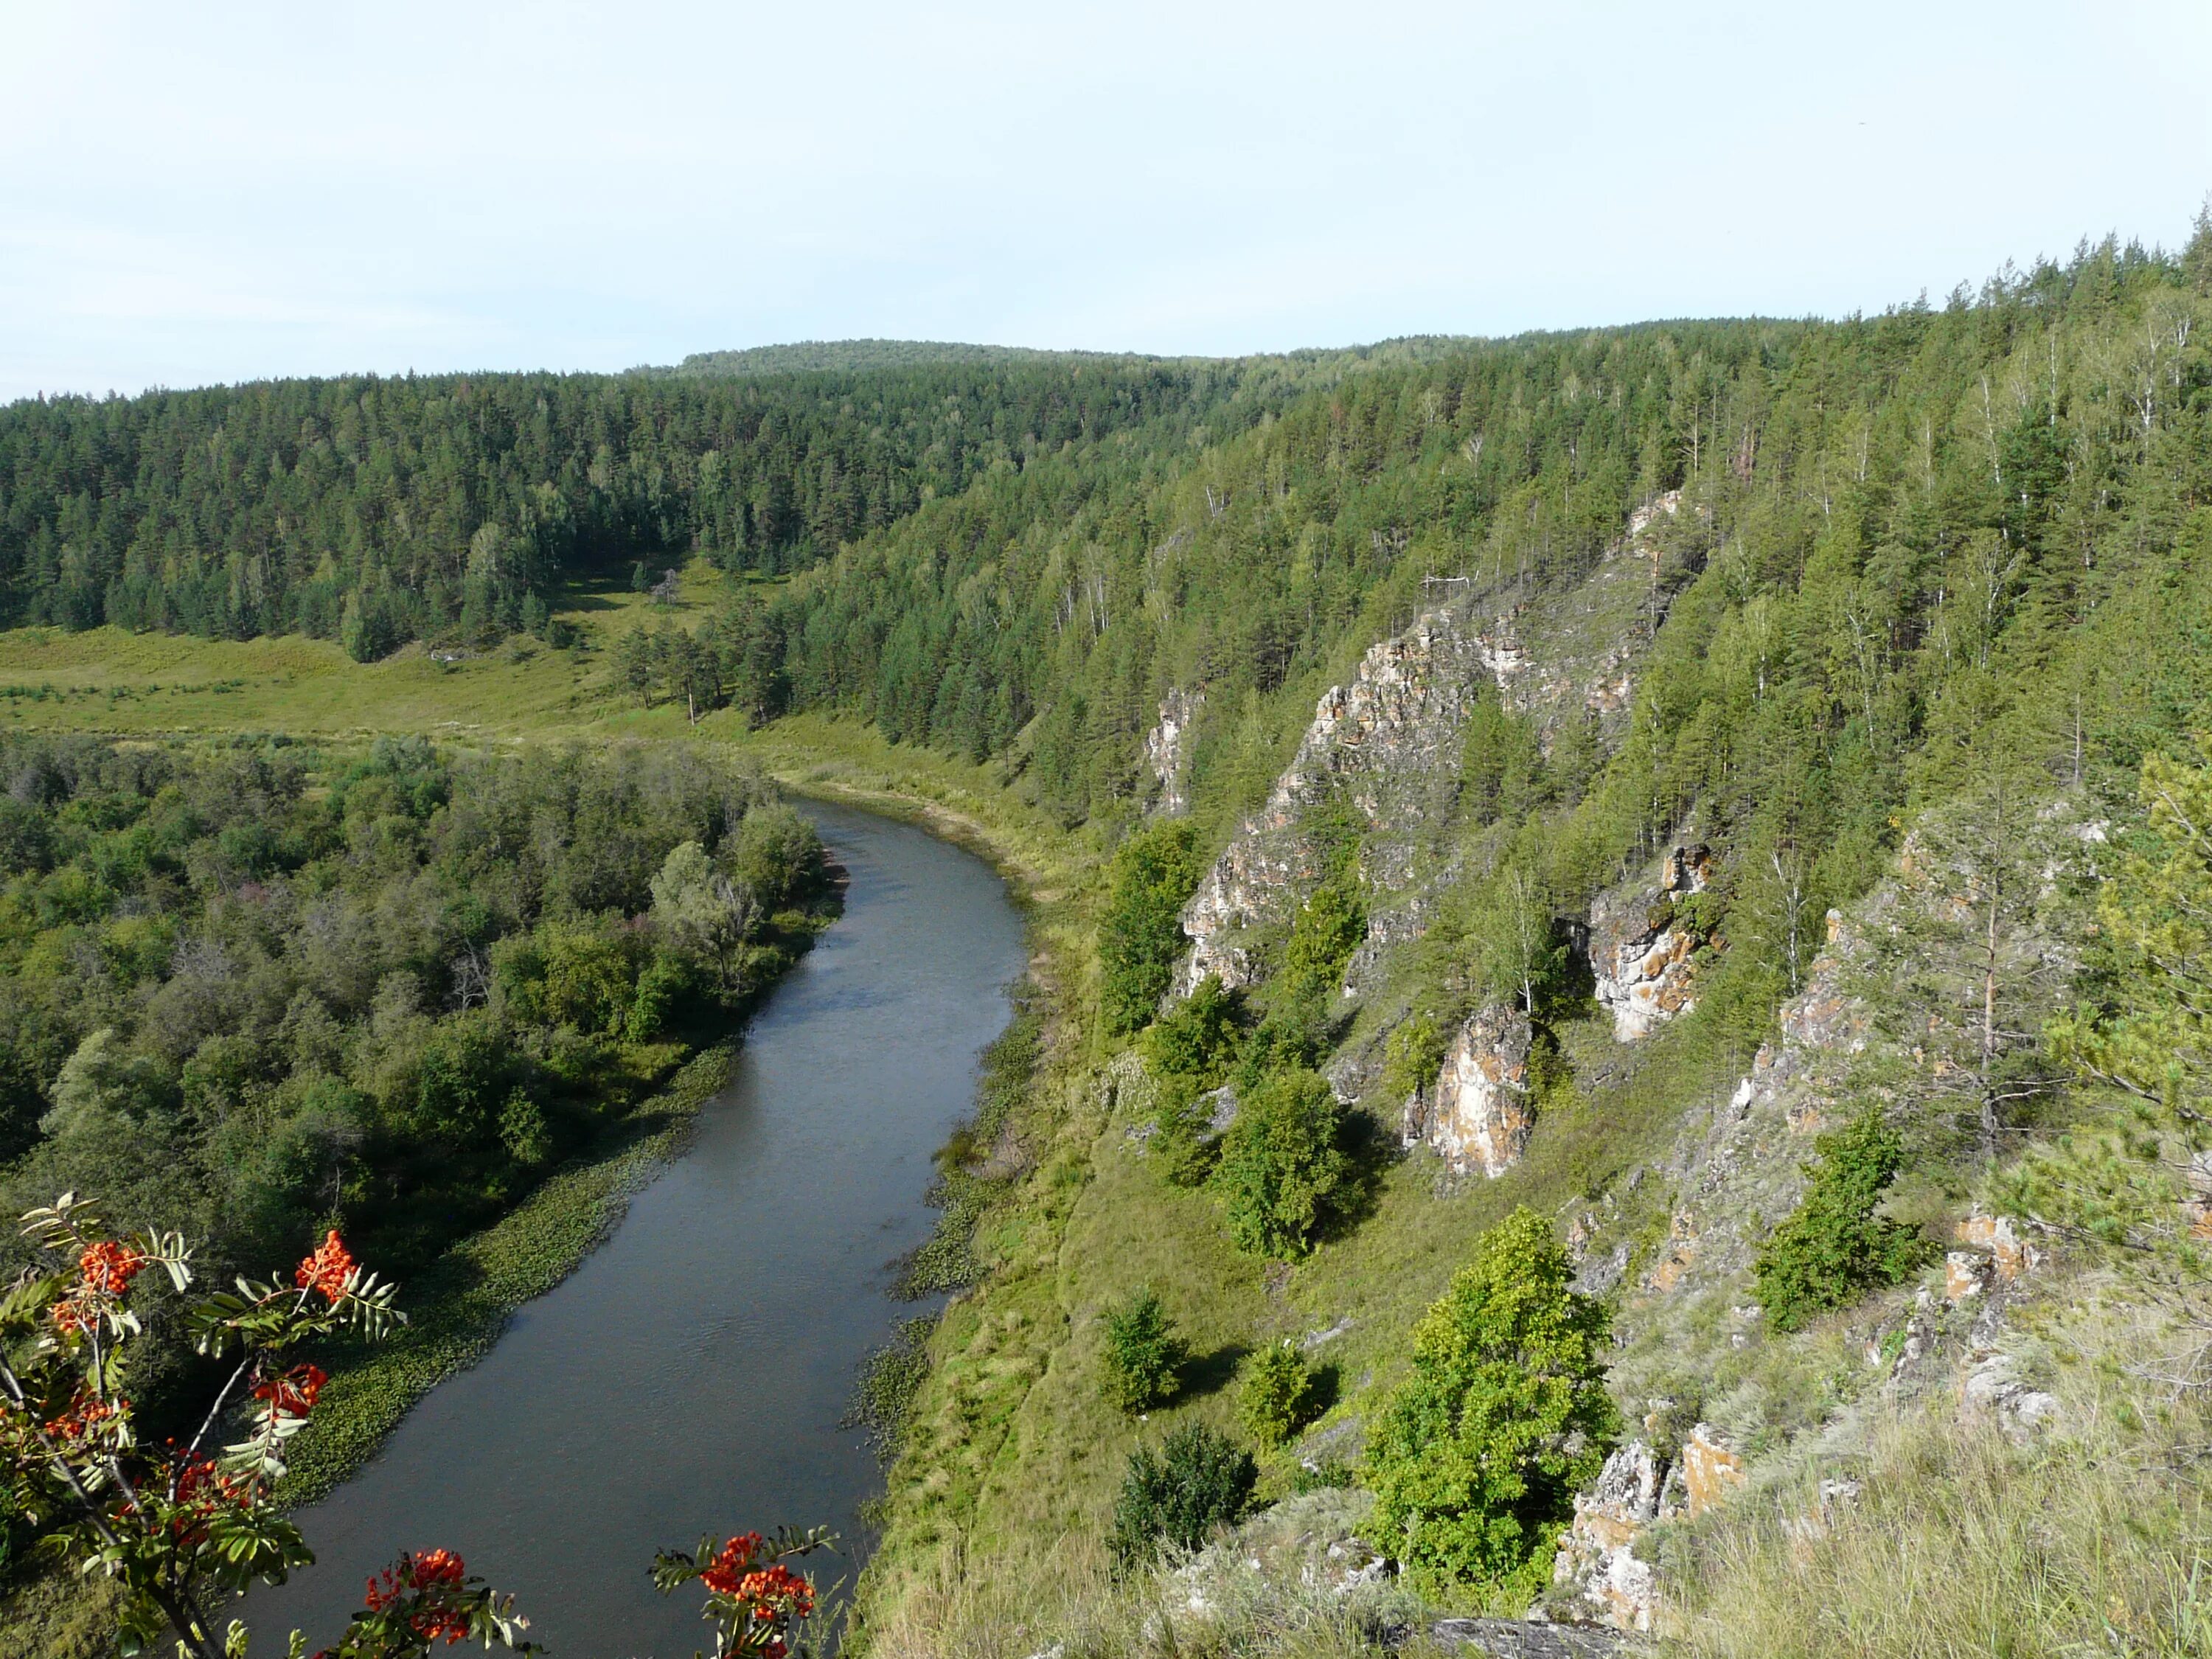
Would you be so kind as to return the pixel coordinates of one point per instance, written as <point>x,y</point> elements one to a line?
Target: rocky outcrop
<point>2010,1256</point>
<point>1994,1391</point>
<point>1596,1567</point>
<point>1390,741</point>
<point>1640,946</point>
<point>1390,738</point>
<point>1711,1470</point>
<point>1479,1113</point>
<point>1167,750</point>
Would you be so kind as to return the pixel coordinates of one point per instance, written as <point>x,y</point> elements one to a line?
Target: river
<point>689,1375</point>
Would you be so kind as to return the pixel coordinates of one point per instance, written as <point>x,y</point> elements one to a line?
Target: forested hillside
<point>379,511</point>
<point>848,356</point>
<point>1694,842</point>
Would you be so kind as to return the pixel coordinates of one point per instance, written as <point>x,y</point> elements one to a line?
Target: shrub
<point>1280,1165</point>
<point>1277,1398</point>
<point>1196,1040</point>
<point>1140,935</point>
<point>1475,1462</point>
<point>1835,1248</point>
<point>1183,1147</point>
<point>1144,1355</point>
<point>1324,933</point>
<point>1412,1055</point>
<point>1199,1480</point>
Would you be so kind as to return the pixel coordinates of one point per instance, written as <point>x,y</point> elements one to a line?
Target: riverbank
<point>456,1310</point>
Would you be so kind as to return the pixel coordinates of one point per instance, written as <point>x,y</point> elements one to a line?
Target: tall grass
<point>2091,1538</point>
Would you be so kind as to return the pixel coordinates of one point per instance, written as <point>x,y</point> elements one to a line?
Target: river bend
<point>689,1375</point>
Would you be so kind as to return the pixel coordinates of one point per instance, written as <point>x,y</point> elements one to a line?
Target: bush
<point>1328,928</point>
<point>1475,1462</point>
<point>1411,1056</point>
<point>1144,1355</point>
<point>1277,1398</point>
<point>1197,1040</point>
<point>1280,1165</point>
<point>1183,1146</point>
<point>1140,935</point>
<point>1835,1249</point>
<point>1199,1480</point>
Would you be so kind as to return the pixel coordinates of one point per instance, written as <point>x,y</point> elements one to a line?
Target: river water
<point>689,1377</point>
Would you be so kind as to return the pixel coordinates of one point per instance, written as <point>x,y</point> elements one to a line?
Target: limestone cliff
<point>1390,739</point>
<point>1641,944</point>
<point>1167,750</point>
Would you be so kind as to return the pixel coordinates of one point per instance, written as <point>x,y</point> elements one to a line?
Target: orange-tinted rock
<point>1479,1113</point>
<point>1709,1470</point>
<point>1596,1562</point>
<point>1640,957</point>
<point>2011,1256</point>
<point>1966,1274</point>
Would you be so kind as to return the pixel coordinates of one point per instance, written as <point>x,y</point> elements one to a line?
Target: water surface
<point>689,1377</point>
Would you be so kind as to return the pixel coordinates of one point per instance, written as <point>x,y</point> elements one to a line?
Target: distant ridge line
<point>802,356</point>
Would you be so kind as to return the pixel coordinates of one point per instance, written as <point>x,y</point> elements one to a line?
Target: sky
<point>218,192</point>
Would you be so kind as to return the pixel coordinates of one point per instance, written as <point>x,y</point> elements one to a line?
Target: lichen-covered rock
<point>1966,1275</point>
<point>1167,750</point>
<point>1479,1113</point>
<point>2011,1257</point>
<point>1994,1391</point>
<point>1711,1469</point>
<point>1597,1566</point>
<point>1640,948</point>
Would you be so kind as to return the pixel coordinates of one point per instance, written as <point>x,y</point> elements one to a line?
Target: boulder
<point>1994,1392</point>
<point>1965,1274</point>
<point>2011,1257</point>
<point>1711,1470</point>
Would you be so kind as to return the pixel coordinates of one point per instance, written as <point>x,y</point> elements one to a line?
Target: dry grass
<point>1060,1599</point>
<point>2088,1539</point>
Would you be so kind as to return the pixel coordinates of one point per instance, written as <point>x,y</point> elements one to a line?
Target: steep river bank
<point>690,1377</point>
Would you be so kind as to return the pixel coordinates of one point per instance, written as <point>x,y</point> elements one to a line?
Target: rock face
<point>1389,740</point>
<point>1478,1113</point>
<point>1597,1565</point>
<point>1640,949</point>
<point>1167,750</point>
<point>1389,744</point>
<point>2010,1256</point>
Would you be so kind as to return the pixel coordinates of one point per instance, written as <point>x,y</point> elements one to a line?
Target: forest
<point>252,984</point>
<point>377,511</point>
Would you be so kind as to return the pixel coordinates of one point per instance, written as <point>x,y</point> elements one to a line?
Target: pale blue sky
<point>219,192</point>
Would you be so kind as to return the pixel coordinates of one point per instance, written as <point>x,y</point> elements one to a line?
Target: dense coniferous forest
<point>378,511</point>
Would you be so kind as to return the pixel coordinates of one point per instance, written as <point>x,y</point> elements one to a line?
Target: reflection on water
<point>690,1377</point>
